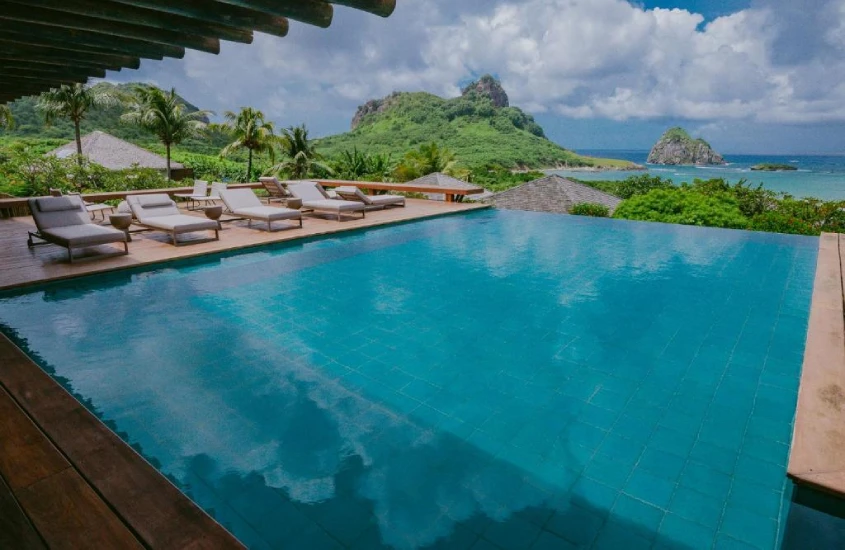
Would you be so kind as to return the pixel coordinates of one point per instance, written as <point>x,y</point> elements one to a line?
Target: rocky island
<point>677,147</point>
<point>772,167</point>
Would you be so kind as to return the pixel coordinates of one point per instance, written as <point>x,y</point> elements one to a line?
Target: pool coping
<point>817,456</point>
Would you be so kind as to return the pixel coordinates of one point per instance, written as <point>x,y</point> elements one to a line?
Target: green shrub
<point>590,209</point>
<point>683,206</point>
<point>782,222</point>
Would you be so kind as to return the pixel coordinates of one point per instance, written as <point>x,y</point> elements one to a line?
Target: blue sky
<point>755,76</point>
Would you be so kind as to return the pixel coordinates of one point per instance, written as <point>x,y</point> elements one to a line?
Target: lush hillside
<point>29,123</point>
<point>480,127</point>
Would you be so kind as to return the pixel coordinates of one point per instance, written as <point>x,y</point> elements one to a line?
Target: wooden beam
<point>17,52</point>
<point>13,68</point>
<point>13,12</point>
<point>109,12</point>
<point>213,11</point>
<point>38,80</point>
<point>383,8</point>
<point>30,33</point>
<point>312,12</point>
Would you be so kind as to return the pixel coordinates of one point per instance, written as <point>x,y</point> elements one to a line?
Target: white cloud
<point>772,63</point>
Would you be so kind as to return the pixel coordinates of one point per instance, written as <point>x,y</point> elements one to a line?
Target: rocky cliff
<point>677,147</point>
<point>489,87</point>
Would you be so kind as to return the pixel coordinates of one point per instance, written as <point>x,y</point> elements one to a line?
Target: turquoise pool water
<point>495,380</point>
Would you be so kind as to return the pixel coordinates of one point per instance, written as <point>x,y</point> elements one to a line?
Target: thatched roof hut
<point>553,193</point>
<point>116,154</point>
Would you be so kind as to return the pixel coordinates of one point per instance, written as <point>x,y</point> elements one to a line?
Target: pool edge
<point>817,456</point>
<point>145,501</point>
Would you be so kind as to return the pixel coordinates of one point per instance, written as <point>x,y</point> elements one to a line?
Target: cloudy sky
<point>748,75</point>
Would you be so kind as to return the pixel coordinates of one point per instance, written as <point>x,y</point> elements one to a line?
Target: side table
<point>214,213</point>
<point>122,222</point>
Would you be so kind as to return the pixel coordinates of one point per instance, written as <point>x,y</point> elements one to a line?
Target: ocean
<point>819,176</point>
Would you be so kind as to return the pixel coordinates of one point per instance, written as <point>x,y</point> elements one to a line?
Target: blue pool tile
<point>697,507</point>
<point>513,534</point>
<point>608,471</point>
<point>677,443</point>
<point>643,515</point>
<point>619,535</point>
<point>717,457</point>
<point>725,542</point>
<point>757,498</point>
<point>621,448</point>
<point>759,471</point>
<point>766,449</point>
<point>596,494</point>
<point>576,525</point>
<point>651,489</point>
<point>749,527</point>
<point>702,478</point>
<point>661,464</point>
<point>550,541</point>
<point>597,416</point>
<point>678,531</point>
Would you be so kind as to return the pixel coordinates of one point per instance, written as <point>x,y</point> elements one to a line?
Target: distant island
<point>676,147</point>
<point>481,127</point>
<point>773,167</point>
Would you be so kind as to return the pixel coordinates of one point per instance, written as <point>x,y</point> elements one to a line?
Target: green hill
<point>480,127</point>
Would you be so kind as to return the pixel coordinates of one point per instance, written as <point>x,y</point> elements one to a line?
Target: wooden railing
<point>9,207</point>
<point>451,193</point>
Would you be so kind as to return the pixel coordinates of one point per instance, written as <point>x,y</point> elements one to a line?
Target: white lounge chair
<point>374,202</point>
<point>314,198</point>
<point>244,203</point>
<point>199,194</point>
<point>91,207</point>
<point>64,221</point>
<point>159,212</point>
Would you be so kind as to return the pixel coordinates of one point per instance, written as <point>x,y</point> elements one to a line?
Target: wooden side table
<point>214,213</point>
<point>122,222</point>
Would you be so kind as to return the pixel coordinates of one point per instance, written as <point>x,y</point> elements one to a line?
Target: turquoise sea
<point>820,176</point>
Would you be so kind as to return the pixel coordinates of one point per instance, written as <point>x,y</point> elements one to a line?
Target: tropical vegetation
<point>73,102</point>
<point>592,209</point>
<point>7,120</point>
<point>165,116</point>
<point>301,158</point>
<point>252,132</point>
<point>718,203</point>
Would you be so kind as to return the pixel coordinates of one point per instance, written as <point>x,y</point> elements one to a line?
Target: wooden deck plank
<point>26,456</point>
<point>69,514</point>
<point>21,266</point>
<point>16,531</point>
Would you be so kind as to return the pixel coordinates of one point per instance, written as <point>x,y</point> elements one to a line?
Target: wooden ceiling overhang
<point>45,43</point>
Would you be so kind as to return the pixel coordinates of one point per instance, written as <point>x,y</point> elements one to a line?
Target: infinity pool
<point>493,380</point>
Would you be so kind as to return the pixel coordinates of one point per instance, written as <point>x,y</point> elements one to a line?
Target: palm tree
<point>430,158</point>
<point>73,101</point>
<point>302,156</point>
<point>163,113</point>
<point>7,121</point>
<point>251,132</point>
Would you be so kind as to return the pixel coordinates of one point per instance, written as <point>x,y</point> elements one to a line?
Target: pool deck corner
<point>817,458</point>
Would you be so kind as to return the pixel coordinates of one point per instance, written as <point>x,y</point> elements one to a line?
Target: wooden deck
<point>817,458</point>
<point>20,265</point>
<point>66,480</point>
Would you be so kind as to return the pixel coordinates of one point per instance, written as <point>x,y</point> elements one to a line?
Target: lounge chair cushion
<point>354,193</point>
<point>268,213</point>
<point>56,204</point>
<point>58,214</point>
<point>312,198</point>
<point>145,207</point>
<point>153,201</point>
<point>85,235</point>
<point>179,223</point>
<point>236,199</point>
